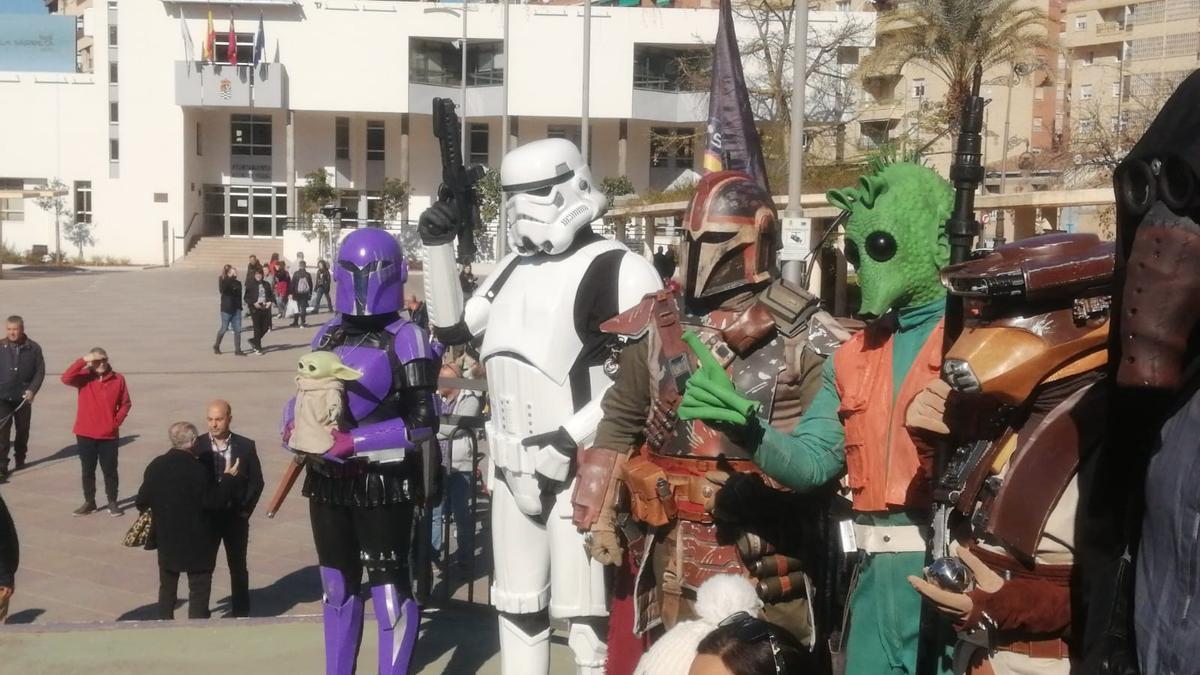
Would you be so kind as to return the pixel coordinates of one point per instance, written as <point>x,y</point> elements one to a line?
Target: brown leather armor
<point>670,478</point>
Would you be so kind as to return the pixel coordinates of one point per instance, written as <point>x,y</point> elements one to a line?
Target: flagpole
<point>462,134</point>
<point>587,77</point>
<point>793,270</point>
<point>502,225</point>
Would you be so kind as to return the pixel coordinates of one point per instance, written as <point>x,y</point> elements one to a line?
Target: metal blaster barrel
<point>458,180</point>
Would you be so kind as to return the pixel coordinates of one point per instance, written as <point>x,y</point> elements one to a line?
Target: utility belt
<point>507,452</point>
<point>662,489</point>
<point>891,538</point>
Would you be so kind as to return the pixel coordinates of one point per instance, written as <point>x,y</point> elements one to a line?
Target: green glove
<point>710,395</point>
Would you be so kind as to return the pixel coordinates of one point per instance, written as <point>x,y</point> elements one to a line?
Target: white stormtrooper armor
<point>539,314</point>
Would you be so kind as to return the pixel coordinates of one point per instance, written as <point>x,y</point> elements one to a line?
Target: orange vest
<point>885,470</point>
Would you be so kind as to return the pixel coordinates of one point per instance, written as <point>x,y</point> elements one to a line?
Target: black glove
<point>554,459</point>
<point>438,224</point>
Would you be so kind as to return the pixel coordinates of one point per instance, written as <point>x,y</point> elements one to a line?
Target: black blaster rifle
<point>458,180</point>
<point>966,173</point>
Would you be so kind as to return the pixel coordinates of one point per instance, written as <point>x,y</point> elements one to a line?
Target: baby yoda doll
<point>319,400</point>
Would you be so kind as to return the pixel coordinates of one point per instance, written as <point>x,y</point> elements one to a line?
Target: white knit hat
<point>716,599</point>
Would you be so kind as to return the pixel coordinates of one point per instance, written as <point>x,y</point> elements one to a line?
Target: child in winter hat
<point>716,599</point>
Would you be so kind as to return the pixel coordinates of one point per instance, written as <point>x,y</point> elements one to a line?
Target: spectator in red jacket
<point>103,406</point>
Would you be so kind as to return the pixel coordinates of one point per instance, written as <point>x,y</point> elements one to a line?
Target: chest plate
<point>366,394</point>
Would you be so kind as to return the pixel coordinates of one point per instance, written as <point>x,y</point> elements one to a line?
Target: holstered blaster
<point>458,180</point>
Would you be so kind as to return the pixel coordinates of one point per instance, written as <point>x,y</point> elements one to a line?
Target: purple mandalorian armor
<point>369,274</point>
<point>361,498</point>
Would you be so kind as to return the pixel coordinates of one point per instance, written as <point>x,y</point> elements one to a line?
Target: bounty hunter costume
<point>1028,370</point>
<point>539,316</point>
<point>771,338</point>
<point>895,238</point>
<point>361,494</point>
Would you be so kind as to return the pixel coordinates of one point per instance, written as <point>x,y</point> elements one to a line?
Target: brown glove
<point>604,546</point>
<point>595,501</point>
<point>927,411</point>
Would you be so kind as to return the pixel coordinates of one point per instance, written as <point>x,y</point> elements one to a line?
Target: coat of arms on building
<point>226,89</point>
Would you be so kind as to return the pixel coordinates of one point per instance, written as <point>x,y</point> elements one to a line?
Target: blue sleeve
<point>814,452</point>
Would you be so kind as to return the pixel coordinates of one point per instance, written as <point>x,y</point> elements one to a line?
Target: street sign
<point>797,238</point>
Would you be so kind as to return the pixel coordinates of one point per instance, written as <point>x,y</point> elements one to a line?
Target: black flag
<point>733,142</point>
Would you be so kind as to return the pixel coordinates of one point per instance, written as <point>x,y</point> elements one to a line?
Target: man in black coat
<point>260,299</point>
<point>10,555</point>
<point>218,449</point>
<point>22,370</point>
<point>179,491</point>
<point>302,288</point>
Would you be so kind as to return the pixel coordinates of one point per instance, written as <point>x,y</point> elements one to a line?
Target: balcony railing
<point>224,86</point>
<point>1109,27</point>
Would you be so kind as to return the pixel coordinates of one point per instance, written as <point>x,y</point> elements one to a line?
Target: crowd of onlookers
<point>270,292</point>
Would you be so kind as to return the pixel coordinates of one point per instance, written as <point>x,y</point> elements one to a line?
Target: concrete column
<point>623,148</point>
<point>514,132</point>
<point>648,230</point>
<point>293,210</point>
<point>404,159</point>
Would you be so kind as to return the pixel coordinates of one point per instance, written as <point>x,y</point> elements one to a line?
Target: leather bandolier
<point>670,490</point>
<point>1029,364</point>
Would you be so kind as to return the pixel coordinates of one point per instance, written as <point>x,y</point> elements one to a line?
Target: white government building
<point>158,148</point>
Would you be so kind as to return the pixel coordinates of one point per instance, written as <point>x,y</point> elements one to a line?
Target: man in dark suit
<point>218,449</point>
<point>180,493</point>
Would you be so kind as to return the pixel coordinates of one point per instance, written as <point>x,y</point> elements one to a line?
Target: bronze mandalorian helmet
<point>729,237</point>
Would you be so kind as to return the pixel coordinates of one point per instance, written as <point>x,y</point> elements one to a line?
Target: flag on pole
<point>260,41</point>
<point>189,48</point>
<point>733,142</point>
<point>231,50</point>
<point>210,41</point>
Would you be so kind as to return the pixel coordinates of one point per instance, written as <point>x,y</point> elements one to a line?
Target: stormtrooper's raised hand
<point>710,395</point>
<point>439,224</point>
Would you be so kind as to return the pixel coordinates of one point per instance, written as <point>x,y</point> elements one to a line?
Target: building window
<point>113,109</point>
<point>843,5</point>
<point>1085,92</point>
<point>1039,93</point>
<point>1116,89</point>
<point>114,150</point>
<point>479,144</point>
<point>1085,125</point>
<point>440,62</point>
<point>83,201</point>
<point>250,146</point>
<point>1089,58</point>
<point>918,87</point>
<point>1037,123</point>
<point>112,36</point>
<point>12,210</point>
<point>1080,23</point>
<point>672,147</point>
<point>341,138</point>
<point>1114,122</point>
<point>112,73</point>
<point>349,202</point>
<point>374,209</point>
<point>245,47</point>
<point>375,140</point>
<point>671,68</point>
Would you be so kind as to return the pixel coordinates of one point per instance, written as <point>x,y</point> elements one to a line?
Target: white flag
<point>188,46</point>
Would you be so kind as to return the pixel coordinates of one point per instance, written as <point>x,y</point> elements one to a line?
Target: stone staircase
<point>212,253</point>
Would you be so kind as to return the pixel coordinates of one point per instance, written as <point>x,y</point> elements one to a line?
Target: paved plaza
<point>158,327</point>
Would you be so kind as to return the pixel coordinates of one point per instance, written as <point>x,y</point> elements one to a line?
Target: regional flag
<point>210,41</point>
<point>231,50</point>
<point>733,142</point>
<point>260,41</point>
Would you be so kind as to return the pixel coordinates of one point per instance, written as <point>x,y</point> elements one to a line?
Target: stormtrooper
<point>539,316</point>
<point>363,490</point>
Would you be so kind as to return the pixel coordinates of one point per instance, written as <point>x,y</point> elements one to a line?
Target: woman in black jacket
<point>321,288</point>
<point>260,299</point>
<point>183,498</point>
<point>231,309</point>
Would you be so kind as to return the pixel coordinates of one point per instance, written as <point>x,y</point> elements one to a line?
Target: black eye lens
<point>881,246</point>
<point>852,253</point>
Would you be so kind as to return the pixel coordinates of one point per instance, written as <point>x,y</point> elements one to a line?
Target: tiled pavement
<point>158,326</point>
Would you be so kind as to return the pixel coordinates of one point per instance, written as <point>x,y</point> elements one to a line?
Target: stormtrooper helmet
<point>550,196</point>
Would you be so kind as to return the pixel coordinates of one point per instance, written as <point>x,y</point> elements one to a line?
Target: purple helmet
<point>369,273</point>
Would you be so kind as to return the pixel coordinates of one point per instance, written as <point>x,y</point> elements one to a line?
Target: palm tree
<point>950,36</point>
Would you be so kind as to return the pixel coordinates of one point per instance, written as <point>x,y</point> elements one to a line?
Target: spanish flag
<point>210,41</point>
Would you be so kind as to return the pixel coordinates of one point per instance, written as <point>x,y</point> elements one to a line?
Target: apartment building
<point>158,142</point>
<point>1126,59</point>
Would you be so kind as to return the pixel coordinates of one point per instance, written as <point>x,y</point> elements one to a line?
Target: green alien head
<point>325,366</point>
<point>895,234</point>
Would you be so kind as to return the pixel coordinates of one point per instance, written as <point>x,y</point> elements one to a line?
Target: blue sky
<point>22,7</point>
